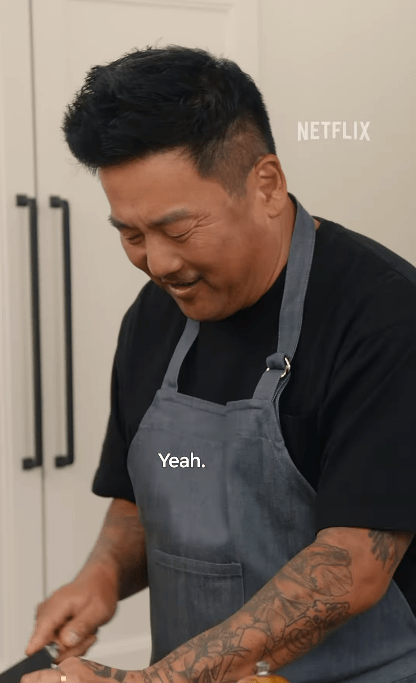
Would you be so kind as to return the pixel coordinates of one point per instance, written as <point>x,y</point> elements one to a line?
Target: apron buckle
<point>287,367</point>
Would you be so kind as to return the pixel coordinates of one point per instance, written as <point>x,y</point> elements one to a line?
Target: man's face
<point>224,243</point>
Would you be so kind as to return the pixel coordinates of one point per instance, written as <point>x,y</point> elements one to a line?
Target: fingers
<point>71,616</point>
<point>63,622</point>
<point>76,651</point>
<point>48,623</point>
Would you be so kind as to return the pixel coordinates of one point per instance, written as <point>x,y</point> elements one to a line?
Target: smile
<point>182,289</point>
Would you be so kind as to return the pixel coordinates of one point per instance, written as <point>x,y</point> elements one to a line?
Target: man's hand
<point>79,670</point>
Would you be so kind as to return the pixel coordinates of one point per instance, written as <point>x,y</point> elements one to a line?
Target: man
<point>262,397</point>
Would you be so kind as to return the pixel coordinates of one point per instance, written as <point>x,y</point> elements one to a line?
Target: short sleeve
<point>368,432</point>
<point>112,478</point>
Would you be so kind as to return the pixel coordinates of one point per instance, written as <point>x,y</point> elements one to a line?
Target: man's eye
<point>135,238</point>
<point>176,237</point>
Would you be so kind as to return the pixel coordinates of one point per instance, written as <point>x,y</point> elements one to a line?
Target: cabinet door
<point>21,518</point>
<point>70,36</point>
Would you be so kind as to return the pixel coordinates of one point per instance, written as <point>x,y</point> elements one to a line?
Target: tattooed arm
<point>343,573</point>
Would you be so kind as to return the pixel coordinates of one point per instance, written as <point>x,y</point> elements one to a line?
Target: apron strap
<point>188,337</point>
<point>275,378</point>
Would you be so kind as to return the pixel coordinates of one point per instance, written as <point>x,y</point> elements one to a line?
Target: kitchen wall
<point>346,61</point>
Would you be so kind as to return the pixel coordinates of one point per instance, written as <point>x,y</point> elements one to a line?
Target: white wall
<point>346,60</point>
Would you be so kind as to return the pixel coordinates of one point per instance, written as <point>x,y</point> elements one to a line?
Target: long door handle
<point>37,461</point>
<point>64,460</point>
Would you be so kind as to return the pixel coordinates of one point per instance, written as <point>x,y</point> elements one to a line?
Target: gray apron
<point>225,508</point>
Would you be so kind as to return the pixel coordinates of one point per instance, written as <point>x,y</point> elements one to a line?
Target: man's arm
<point>121,548</point>
<point>344,572</point>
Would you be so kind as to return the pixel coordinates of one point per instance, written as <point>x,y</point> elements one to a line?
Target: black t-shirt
<point>348,411</point>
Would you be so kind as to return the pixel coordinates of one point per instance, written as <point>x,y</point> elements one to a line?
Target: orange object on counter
<point>262,675</point>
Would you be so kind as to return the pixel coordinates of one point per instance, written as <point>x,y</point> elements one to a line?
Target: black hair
<point>171,98</point>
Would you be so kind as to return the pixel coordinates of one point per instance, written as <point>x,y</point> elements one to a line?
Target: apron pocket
<point>188,597</point>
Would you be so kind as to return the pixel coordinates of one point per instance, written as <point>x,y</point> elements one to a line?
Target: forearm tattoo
<point>386,548</point>
<point>293,613</point>
<point>310,597</point>
<point>103,671</point>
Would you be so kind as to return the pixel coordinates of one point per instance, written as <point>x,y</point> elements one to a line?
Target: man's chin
<point>200,315</point>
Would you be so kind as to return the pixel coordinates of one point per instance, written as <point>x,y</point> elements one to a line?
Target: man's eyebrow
<point>171,217</point>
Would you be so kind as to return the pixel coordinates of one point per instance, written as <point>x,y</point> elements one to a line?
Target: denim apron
<point>225,508</point>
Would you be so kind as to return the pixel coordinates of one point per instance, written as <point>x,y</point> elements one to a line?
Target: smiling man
<point>230,251</point>
<point>279,349</point>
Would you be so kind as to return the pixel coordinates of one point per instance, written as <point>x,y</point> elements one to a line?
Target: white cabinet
<point>21,511</point>
<point>49,519</point>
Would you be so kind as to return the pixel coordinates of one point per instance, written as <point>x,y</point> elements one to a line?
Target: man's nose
<point>162,257</point>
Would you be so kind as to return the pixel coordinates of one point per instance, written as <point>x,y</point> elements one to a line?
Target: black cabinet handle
<point>37,461</point>
<point>64,460</point>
